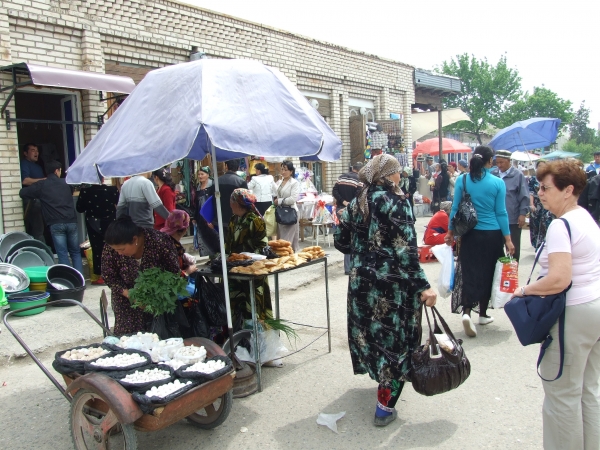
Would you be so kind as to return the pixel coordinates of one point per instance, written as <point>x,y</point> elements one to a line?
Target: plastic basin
<point>63,277</point>
<point>66,294</point>
<point>19,301</point>
<point>37,274</point>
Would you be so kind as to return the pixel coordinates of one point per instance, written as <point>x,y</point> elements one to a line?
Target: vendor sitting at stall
<point>129,250</point>
<point>247,233</point>
<point>436,229</point>
<point>176,226</point>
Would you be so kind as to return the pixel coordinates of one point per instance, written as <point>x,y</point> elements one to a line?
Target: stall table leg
<point>255,331</point>
<point>327,303</point>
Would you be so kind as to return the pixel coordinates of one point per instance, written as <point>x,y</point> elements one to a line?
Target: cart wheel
<point>213,415</point>
<point>94,425</point>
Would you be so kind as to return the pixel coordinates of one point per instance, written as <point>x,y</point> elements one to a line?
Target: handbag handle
<point>434,347</point>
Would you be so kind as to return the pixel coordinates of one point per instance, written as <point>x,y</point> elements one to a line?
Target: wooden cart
<point>104,415</point>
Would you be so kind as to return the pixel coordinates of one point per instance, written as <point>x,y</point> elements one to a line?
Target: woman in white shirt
<point>287,194</point>
<point>571,411</point>
<point>263,187</point>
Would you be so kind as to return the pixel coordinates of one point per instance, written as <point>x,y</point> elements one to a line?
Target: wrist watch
<point>523,291</point>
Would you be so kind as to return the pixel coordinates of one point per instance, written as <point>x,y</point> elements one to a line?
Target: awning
<point>72,79</point>
<point>426,122</point>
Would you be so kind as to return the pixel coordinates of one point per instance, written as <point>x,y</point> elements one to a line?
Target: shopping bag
<point>90,260</point>
<point>270,222</point>
<point>506,280</point>
<point>445,255</point>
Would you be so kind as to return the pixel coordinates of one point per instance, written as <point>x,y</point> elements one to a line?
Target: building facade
<point>123,37</point>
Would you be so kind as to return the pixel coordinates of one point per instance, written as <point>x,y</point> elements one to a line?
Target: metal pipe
<point>255,331</point>
<point>440,134</point>
<point>277,296</point>
<point>51,377</point>
<point>213,154</point>
<point>327,303</point>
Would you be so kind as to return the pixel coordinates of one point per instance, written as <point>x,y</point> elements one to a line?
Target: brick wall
<point>148,34</point>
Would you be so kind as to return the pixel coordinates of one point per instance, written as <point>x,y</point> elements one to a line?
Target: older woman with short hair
<point>571,411</point>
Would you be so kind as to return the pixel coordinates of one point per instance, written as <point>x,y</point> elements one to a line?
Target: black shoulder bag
<point>465,218</point>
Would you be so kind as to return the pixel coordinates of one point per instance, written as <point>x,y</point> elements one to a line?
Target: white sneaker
<point>469,326</point>
<point>485,320</point>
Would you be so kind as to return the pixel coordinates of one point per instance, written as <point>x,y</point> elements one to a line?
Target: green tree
<point>542,103</point>
<point>581,133</point>
<point>488,91</point>
<point>586,151</point>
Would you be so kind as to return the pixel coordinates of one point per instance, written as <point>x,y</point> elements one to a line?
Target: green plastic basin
<point>37,274</point>
<point>20,305</point>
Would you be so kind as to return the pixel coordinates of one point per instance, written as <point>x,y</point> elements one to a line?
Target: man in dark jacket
<point>31,172</point>
<point>59,214</point>
<point>229,182</point>
<point>517,197</point>
<point>344,190</point>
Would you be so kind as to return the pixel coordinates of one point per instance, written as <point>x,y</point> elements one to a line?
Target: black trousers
<point>34,221</point>
<point>96,229</point>
<point>263,206</point>
<point>515,236</point>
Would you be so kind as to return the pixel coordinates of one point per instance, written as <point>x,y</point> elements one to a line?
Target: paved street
<point>499,406</point>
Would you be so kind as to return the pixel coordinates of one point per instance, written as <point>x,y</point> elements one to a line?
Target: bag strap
<point>465,184</point>
<point>561,324</point>
<point>561,346</point>
<point>538,254</point>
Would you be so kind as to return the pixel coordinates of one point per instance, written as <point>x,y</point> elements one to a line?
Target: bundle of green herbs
<point>156,291</point>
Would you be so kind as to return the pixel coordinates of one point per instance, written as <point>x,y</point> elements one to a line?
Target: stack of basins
<point>22,300</point>
<point>65,283</point>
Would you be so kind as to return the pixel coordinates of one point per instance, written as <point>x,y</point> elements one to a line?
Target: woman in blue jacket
<point>481,247</point>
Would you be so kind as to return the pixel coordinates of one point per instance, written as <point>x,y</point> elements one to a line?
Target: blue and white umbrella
<point>226,108</point>
<point>529,134</point>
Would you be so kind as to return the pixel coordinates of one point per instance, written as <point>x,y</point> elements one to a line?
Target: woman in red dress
<point>166,192</point>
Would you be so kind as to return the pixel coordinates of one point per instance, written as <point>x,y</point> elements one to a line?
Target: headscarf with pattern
<point>375,172</point>
<point>245,198</point>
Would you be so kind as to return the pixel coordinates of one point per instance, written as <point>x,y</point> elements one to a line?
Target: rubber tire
<point>127,430</point>
<point>225,409</point>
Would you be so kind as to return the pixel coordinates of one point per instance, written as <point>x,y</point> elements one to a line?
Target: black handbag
<point>465,218</point>
<point>435,369</point>
<point>286,215</point>
<point>534,315</point>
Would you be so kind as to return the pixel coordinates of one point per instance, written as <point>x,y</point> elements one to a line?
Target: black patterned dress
<point>384,289</point>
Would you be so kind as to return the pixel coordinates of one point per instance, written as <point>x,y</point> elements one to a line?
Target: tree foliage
<point>586,151</point>
<point>488,91</point>
<point>581,133</point>
<point>542,103</point>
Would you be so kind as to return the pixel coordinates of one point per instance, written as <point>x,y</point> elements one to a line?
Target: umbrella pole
<point>525,148</point>
<point>440,134</point>
<point>222,249</point>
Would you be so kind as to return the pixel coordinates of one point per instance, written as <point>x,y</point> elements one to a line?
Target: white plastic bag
<point>445,255</point>
<point>506,278</point>
<point>270,344</point>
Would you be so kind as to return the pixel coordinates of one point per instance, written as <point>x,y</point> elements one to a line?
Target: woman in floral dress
<point>387,284</point>
<point>129,250</point>
<point>539,218</point>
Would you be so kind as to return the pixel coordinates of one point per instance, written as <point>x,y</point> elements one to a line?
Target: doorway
<point>55,141</point>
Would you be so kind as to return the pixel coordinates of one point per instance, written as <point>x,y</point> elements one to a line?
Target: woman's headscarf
<point>375,172</point>
<point>178,220</point>
<point>205,169</point>
<point>245,198</point>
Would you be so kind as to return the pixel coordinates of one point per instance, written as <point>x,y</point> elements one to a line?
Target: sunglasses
<point>544,188</point>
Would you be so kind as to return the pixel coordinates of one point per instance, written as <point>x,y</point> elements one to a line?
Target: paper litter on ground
<point>330,420</point>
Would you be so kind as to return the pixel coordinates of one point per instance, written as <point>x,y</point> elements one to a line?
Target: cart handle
<point>51,377</point>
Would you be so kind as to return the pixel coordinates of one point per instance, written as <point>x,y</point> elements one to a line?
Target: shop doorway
<point>62,142</point>
<point>56,141</point>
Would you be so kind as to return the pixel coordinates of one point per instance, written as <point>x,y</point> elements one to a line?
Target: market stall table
<point>207,272</point>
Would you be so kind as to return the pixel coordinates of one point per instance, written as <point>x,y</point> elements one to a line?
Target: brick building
<point>129,38</point>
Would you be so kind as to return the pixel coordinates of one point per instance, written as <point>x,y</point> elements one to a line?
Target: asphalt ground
<point>499,406</point>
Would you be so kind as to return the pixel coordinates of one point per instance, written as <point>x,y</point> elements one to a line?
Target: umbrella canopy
<point>240,107</point>
<point>432,147</point>
<point>559,154</point>
<point>524,156</point>
<point>425,122</point>
<point>537,132</point>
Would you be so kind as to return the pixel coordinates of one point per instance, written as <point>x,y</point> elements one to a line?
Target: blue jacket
<point>489,199</point>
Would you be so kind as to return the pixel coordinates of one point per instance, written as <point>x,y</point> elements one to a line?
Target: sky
<point>550,43</point>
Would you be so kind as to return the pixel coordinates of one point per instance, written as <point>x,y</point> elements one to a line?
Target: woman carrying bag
<point>571,411</point>
<point>387,284</point>
<point>287,195</point>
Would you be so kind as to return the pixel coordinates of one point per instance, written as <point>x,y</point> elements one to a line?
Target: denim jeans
<point>66,242</point>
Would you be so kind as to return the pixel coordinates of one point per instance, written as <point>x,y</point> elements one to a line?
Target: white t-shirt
<point>584,247</point>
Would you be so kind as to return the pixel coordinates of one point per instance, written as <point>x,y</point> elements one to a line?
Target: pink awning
<point>74,79</point>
